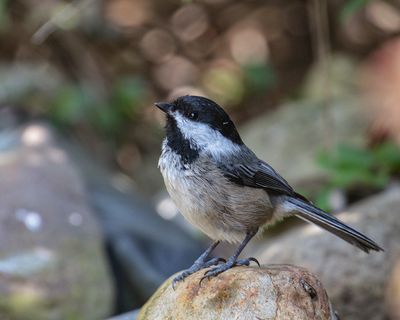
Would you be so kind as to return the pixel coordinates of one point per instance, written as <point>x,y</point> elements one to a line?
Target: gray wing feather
<point>257,174</point>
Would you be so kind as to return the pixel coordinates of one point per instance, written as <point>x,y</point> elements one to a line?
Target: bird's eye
<point>193,115</point>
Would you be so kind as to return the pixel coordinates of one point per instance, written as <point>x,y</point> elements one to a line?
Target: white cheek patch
<point>205,137</point>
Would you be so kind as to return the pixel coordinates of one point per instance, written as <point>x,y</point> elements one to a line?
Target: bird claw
<point>194,268</point>
<point>213,272</point>
<point>246,262</point>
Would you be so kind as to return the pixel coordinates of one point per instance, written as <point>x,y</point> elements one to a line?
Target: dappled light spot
<point>384,16</point>
<point>190,22</point>
<point>249,46</point>
<point>27,263</point>
<point>127,13</point>
<point>32,220</point>
<point>176,72</point>
<point>75,219</point>
<point>224,82</point>
<point>166,209</point>
<point>35,135</point>
<point>157,45</point>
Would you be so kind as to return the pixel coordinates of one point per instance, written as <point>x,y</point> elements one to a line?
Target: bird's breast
<point>207,199</point>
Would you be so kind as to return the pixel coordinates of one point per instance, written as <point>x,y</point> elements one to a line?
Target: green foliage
<point>3,15</point>
<point>66,107</point>
<point>322,199</point>
<point>259,77</point>
<point>225,85</point>
<point>74,105</point>
<point>351,167</point>
<point>127,96</point>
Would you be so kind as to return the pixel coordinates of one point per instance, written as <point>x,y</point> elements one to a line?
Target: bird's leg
<point>233,260</point>
<point>200,263</point>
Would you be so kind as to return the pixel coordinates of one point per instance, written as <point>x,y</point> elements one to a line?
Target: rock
<point>271,292</point>
<point>52,264</point>
<point>354,280</point>
<point>290,138</point>
<point>132,315</point>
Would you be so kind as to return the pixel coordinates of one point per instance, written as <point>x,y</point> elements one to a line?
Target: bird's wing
<point>257,174</point>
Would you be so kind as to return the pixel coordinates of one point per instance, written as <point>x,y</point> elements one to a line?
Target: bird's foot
<point>246,262</point>
<point>197,265</point>
<point>213,272</point>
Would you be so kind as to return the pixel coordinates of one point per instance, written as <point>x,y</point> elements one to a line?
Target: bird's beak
<point>164,106</point>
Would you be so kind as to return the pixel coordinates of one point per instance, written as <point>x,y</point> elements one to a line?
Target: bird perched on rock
<point>221,187</point>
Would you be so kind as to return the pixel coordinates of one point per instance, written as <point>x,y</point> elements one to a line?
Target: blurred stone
<point>290,138</point>
<point>52,263</point>
<point>354,280</point>
<point>271,292</point>
<point>392,299</point>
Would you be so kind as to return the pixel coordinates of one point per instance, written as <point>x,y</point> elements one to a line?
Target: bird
<point>221,187</point>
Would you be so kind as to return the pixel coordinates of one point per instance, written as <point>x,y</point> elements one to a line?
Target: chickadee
<point>221,187</point>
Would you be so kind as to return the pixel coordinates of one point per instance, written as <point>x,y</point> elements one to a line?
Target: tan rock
<point>269,293</point>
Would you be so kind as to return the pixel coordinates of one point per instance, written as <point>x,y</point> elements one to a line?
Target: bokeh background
<point>87,230</point>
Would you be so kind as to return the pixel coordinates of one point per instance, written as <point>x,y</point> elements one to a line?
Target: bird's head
<point>200,122</point>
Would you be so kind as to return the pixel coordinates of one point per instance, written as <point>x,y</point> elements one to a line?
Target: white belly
<point>208,201</point>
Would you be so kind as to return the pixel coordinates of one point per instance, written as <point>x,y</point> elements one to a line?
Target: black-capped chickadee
<point>221,187</point>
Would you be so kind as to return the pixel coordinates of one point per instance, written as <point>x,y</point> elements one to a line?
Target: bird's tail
<point>310,213</point>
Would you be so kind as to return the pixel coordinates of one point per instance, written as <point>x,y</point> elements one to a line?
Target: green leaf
<point>68,106</point>
<point>345,156</point>
<point>127,96</point>
<point>106,119</point>
<point>322,199</point>
<point>260,77</point>
<point>348,177</point>
<point>4,20</point>
<point>387,155</point>
<point>353,157</point>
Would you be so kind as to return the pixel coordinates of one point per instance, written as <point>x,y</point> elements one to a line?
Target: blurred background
<point>87,230</point>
